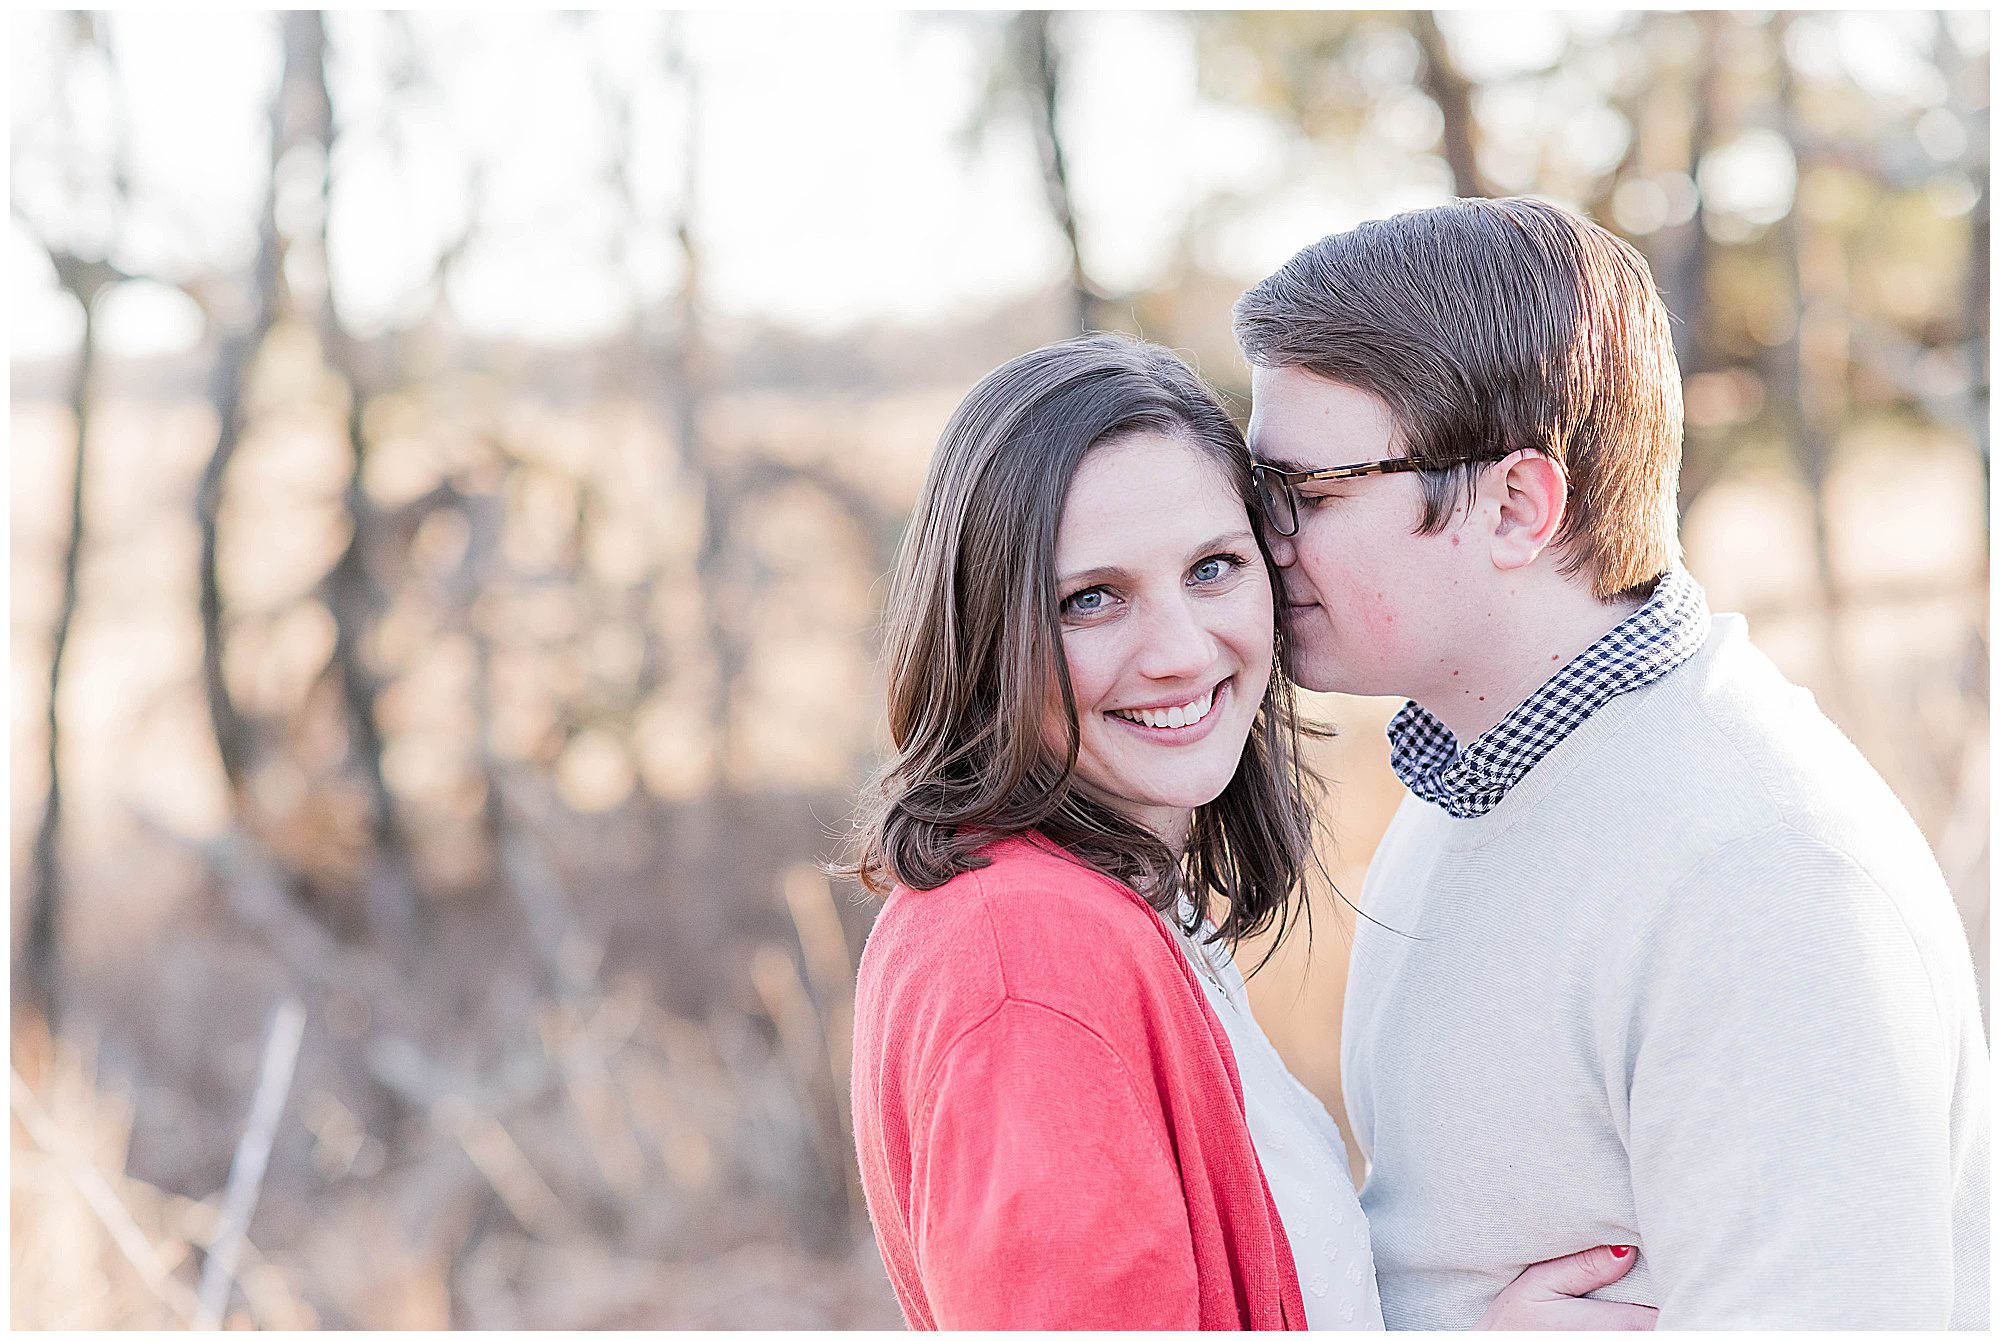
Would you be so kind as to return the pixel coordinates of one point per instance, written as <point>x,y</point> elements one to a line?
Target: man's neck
<point>1533,637</point>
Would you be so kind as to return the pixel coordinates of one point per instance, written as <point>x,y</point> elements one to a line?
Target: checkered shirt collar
<point>1654,639</point>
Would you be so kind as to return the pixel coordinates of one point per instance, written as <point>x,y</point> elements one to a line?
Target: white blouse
<point>1303,1158</point>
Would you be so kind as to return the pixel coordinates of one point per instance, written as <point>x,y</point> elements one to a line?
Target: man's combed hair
<point>974,650</point>
<point>1493,325</point>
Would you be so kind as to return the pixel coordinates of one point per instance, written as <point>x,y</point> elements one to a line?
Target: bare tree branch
<point>1452,92</point>
<point>84,279</point>
<point>1038,64</point>
<point>228,381</point>
<point>253,1155</point>
<point>39,981</point>
<point>683,367</point>
<point>390,896</point>
<point>1805,410</point>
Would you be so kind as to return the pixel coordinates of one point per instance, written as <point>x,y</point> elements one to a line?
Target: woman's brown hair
<point>974,644</point>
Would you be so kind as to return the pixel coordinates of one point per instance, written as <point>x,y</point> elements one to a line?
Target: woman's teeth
<point>1187,714</point>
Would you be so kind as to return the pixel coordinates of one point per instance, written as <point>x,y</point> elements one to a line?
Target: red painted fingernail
<point>1621,1252</point>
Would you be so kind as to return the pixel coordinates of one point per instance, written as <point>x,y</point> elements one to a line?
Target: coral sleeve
<point>1044,1190</point>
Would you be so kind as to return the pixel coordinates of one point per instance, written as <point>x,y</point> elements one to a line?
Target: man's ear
<point>1530,493</point>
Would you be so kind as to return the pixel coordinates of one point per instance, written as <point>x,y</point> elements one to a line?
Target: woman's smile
<point>1178,724</point>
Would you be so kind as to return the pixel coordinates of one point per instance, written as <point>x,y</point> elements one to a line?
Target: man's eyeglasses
<point>1278,490</point>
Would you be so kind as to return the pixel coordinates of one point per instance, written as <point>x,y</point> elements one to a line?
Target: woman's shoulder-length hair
<point>974,652</point>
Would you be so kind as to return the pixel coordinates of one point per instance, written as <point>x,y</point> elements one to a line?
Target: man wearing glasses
<point>1652,955</point>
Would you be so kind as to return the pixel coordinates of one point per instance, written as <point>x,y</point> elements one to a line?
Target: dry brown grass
<point>585,1158</point>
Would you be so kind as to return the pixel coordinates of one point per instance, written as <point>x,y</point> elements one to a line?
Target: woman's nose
<point>1283,553</point>
<point>1178,644</point>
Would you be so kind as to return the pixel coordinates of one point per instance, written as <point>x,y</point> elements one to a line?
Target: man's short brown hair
<point>1492,325</point>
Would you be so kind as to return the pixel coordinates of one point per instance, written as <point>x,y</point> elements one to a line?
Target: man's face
<point>1371,607</point>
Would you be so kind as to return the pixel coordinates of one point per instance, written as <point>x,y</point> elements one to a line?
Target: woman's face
<point>1166,623</point>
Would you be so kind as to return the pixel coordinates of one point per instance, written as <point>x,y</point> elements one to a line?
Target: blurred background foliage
<point>455,461</point>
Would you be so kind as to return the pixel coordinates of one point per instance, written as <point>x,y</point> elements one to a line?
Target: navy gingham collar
<point>1654,639</point>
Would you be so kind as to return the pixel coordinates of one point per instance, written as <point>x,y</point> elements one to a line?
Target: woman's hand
<point>1544,1297</point>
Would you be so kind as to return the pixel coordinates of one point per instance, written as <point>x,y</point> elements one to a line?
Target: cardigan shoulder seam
<point>930,1092</point>
<point>1000,1007</point>
<point>1009,997</point>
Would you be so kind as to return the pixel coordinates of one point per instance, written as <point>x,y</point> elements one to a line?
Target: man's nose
<point>1178,644</point>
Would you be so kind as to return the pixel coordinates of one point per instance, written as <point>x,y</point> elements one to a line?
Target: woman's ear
<point>1530,493</point>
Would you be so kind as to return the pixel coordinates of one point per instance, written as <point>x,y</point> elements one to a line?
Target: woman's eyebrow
<point>1101,573</point>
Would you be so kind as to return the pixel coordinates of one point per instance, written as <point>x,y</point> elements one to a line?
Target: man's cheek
<point>1380,623</point>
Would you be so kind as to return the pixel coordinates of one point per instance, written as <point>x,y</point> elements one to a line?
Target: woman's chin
<point>1166,805</point>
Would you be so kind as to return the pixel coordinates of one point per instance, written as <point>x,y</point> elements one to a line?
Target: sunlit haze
<point>837,182</point>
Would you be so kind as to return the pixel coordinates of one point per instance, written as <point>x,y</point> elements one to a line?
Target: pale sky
<point>832,190</point>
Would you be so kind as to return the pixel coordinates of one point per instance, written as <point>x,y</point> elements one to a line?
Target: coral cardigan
<point>1048,1117</point>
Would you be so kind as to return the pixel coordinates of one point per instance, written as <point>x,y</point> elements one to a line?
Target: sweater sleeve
<point>1789,1100</point>
<point>1043,1191</point>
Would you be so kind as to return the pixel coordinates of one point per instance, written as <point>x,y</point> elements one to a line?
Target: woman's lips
<point>1182,735</point>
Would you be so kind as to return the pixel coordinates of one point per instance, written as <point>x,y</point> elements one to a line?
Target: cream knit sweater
<point>1697,985</point>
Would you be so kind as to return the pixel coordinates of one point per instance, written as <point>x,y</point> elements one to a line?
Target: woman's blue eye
<point>1216,566</point>
<point>1087,602</point>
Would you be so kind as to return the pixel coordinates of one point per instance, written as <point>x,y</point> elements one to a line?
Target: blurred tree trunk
<point>635,358</point>
<point>1686,250</point>
<point>39,979</point>
<point>1687,271</point>
<point>1808,389</point>
<point>1038,68</point>
<point>684,366</point>
<point>228,381</point>
<point>390,897</point>
<point>1452,92</point>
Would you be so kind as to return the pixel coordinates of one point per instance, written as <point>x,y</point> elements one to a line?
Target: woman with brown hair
<point>1065,1114</point>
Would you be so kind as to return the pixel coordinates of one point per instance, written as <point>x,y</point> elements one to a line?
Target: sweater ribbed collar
<point>1648,643</point>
